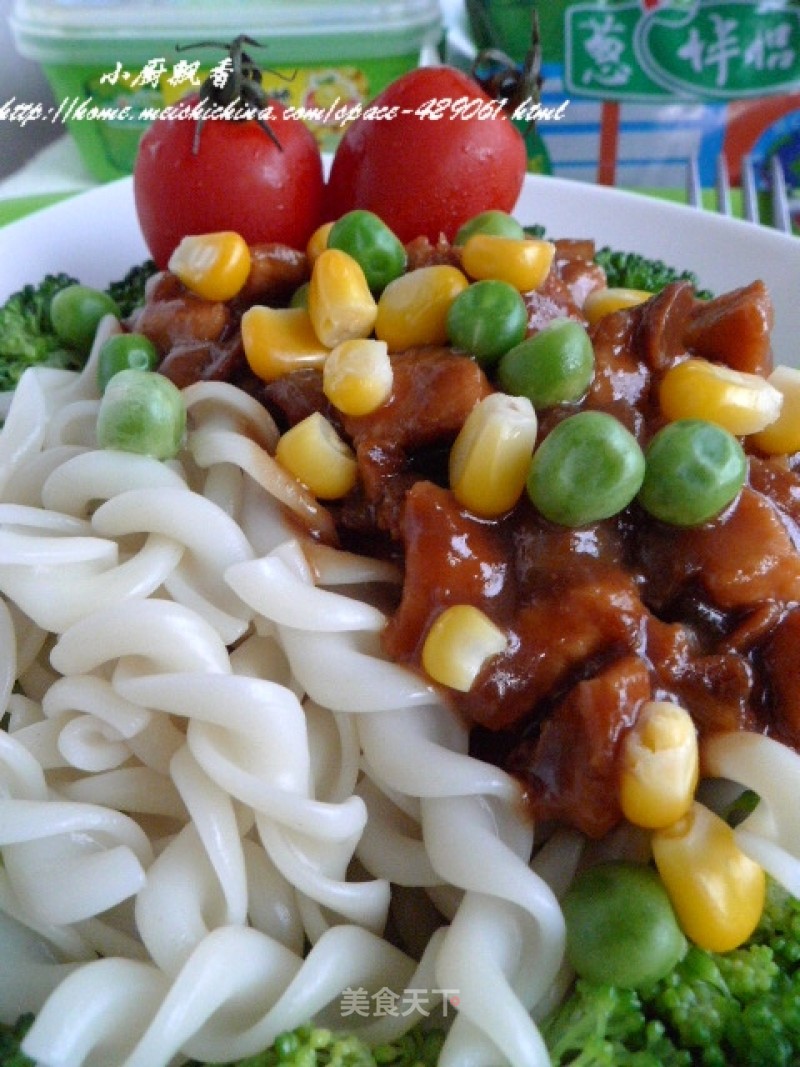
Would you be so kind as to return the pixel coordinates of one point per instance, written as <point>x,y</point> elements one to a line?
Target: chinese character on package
<point>653,83</point>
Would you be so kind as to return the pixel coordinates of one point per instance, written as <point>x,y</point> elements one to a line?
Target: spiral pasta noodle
<point>771,834</point>
<point>210,765</point>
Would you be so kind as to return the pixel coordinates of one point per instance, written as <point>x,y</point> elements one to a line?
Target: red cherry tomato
<point>433,151</point>
<point>237,180</point>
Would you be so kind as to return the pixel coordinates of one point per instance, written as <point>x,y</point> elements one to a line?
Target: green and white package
<point>651,84</point>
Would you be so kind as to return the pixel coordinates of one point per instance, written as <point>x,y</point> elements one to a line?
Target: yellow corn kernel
<point>602,302</point>
<point>318,242</point>
<point>215,266</point>
<point>316,455</point>
<point>459,643</point>
<point>782,437</point>
<point>357,376</point>
<point>412,309</point>
<point>716,890</point>
<point>522,263</point>
<point>339,301</point>
<point>278,341</point>
<point>659,766</point>
<point>739,402</point>
<point>491,456</point>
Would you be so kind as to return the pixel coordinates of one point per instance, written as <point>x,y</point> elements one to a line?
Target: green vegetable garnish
<point>693,470</point>
<point>11,1037</point>
<point>142,411</point>
<point>497,223</point>
<point>365,237</point>
<point>555,366</point>
<point>124,351</point>
<point>588,468</point>
<point>632,270</point>
<point>738,1009</point>
<point>27,337</point>
<point>128,292</point>
<point>75,313</point>
<point>621,929</point>
<point>309,1046</point>
<point>486,319</point>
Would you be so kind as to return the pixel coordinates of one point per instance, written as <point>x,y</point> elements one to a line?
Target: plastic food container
<point>652,84</point>
<point>110,63</point>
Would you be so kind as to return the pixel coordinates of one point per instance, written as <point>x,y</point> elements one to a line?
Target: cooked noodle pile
<point>213,781</point>
<point>222,808</point>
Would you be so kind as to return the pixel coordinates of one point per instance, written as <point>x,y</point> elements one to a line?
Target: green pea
<point>621,929</point>
<point>693,470</point>
<point>555,366</point>
<point>142,411</point>
<point>588,468</point>
<point>75,313</point>
<point>497,223</point>
<point>486,319</point>
<point>124,351</point>
<point>372,244</point>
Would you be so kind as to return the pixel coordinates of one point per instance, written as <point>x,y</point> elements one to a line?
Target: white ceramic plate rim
<point>95,237</point>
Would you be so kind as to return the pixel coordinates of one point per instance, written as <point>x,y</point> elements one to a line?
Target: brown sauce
<point>599,619</point>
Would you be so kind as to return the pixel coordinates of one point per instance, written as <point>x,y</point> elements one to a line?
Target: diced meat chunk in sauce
<point>782,664</point>
<point>173,316</point>
<point>451,558</point>
<point>741,559</point>
<point>552,640</point>
<point>575,266</point>
<point>572,277</point>
<point>433,391</point>
<point>192,361</point>
<point>275,272</point>
<point>620,374</point>
<point>296,396</point>
<point>598,619</point>
<point>734,329</point>
<point>571,770</point>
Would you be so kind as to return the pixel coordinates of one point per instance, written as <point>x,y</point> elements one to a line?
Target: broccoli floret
<point>779,926</point>
<point>417,1048</point>
<point>10,1040</point>
<point>767,1031</point>
<point>310,1046</point>
<point>128,292</point>
<point>695,1004</point>
<point>748,972</point>
<point>632,270</point>
<point>27,337</point>
<point>733,1009</point>
<point>730,1008</point>
<point>604,1026</point>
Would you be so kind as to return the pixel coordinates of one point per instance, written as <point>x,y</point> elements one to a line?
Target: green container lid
<point>308,31</point>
